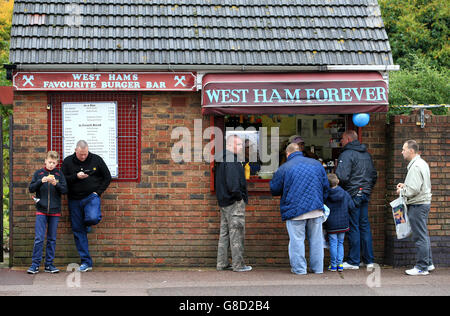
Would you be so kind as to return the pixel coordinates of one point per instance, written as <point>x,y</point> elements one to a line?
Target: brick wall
<point>434,143</point>
<point>169,218</point>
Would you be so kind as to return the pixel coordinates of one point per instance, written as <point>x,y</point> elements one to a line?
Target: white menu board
<point>96,123</point>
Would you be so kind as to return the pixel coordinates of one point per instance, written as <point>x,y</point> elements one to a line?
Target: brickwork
<point>170,218</point>
<point>434,142</point>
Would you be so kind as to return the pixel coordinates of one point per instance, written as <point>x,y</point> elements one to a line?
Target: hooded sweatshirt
<point>355,169</point>
<point>340,203</point>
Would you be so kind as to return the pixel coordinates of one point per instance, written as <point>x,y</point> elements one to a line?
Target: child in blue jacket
<point>339,203</point>
<point>48,183</point>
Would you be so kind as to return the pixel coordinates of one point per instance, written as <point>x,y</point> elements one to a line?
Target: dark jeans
<point>49,225</point>
<point>81,217</point>
<point>418,218</point>
<point>360,236</point>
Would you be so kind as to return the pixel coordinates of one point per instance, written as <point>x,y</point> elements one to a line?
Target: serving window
<point>267,136</point>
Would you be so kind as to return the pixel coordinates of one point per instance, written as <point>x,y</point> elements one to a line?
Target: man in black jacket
<point>231,192</point>
<point>357,176</point>
<point>87,178</point>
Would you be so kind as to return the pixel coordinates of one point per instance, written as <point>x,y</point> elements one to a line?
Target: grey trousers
<point>418,217</point>
<point>232,234</point>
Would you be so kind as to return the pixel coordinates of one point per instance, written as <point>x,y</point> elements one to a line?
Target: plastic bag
<point>400,213</point>
<point>326,213</point>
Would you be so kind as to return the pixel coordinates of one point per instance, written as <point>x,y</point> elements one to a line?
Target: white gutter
<point>201,69</point>
<point>204,68</point>
<point>362,67</point>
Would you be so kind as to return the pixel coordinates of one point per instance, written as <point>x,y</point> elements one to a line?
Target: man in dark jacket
<point>303,186</point>
<point>87,178</point>
<point>231,193</point>
<point>357,176</point>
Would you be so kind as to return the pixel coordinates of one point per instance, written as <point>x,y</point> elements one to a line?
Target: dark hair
<point>412,144</point>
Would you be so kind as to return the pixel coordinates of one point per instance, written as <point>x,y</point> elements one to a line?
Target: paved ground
<point>208,282</point>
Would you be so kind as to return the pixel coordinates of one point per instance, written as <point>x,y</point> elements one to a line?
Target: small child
<point>48,183</point>
<point>339,202</point>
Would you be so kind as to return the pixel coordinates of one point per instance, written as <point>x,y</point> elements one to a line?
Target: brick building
<point>159,66</point>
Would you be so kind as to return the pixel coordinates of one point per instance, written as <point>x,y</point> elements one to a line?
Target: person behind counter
<point>252,158</point>
<point>296,139</point>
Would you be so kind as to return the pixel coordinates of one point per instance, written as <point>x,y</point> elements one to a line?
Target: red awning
<point>294,93</point>
<point>6,95</point>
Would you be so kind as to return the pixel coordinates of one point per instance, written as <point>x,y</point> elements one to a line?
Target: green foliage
<point>423,84</point>
<point>6,9</point>
<point>418,32</point>
<point>5,112</point>
<point>417,27</point>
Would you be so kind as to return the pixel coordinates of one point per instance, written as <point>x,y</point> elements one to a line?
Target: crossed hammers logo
<point>28,80</point>
<point>180,80</point>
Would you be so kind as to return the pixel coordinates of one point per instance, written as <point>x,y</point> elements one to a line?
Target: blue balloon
<point>361,119</point>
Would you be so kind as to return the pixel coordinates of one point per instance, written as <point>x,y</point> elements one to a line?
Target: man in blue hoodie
<point>303,186</point>
<point>357,176</point>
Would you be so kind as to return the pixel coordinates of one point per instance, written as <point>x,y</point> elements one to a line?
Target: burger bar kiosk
<point>318,107</point>
<point>127,76</point>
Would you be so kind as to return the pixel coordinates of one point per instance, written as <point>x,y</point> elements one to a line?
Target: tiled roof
<point>199,32</point>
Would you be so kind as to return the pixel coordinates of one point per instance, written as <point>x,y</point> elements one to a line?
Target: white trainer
<point>415,271</point>
<point>348,266</point>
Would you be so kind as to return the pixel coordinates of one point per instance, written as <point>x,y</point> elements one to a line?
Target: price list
<point>96,123</point>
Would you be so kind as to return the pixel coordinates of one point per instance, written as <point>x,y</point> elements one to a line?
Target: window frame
<point>125,137</point>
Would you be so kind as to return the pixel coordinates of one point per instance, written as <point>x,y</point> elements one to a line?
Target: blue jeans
<point>360,236</point>
<point>336,248</point>
<point>42,221</point>
<point>81,217</point>
<point>296,230</point>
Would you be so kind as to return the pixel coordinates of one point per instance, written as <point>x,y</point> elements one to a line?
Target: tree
<point>417,27</point>
<point>418,32</point>
<point>6,9</point>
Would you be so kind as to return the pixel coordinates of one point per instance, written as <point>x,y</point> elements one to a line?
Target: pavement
<point>207,282</point>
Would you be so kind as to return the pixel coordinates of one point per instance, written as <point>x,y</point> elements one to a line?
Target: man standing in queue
<point>87,178</point>
<point>232,196</point>
<point>417,191</point>
<point>357,175</point>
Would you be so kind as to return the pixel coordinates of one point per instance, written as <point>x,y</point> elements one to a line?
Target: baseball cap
<point>297,139</point>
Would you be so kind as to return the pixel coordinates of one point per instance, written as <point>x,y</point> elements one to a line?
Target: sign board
<point>96,123</point>
<point>104,81</point>
<point>295,93</point>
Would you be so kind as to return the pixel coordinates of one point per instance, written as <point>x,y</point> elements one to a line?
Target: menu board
<point>96,123</point>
